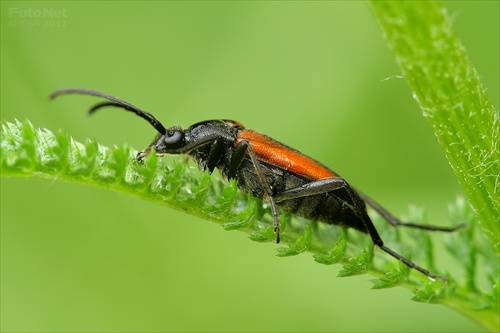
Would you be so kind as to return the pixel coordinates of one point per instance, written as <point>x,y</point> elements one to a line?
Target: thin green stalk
<point>30,152</point>
<point>447,88</point>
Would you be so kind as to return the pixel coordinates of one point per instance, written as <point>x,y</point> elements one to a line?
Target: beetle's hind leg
<point>392,220</point>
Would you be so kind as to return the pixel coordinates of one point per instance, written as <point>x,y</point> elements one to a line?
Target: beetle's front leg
<point>141,156</point>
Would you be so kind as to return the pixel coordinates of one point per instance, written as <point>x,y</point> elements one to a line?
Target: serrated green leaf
<point>337,252</point>
<point>265,235</point>
<point>299,246</point>
<point>448,90</point>
<point>358,264</point>
<point>181,187</point>
<point>392,278</point>
<point>427,294</point>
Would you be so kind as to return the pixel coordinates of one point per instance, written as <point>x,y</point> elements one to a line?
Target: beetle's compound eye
<point>174,139</point>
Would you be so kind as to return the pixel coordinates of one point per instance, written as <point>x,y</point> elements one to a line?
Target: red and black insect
<point>268,170</point>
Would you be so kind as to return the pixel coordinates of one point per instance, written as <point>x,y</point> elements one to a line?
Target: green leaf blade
<point>447,88</point>
<point>181,187</point>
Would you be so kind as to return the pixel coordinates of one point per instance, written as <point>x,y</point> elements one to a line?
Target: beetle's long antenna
<point>114,102</point>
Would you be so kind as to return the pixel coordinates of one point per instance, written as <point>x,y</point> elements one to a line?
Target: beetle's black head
<point>168,141</point>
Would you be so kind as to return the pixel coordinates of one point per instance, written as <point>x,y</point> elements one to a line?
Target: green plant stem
<point>30,152</point>
<point>449,92</point>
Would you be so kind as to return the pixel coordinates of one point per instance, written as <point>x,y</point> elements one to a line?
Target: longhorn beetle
<point>268,169</point>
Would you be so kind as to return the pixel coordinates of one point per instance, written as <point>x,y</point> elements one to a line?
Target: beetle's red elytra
<point>269,170</point>
<point>275,153</point>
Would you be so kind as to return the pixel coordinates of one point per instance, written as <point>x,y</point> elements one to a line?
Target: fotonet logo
<point>37,17</point>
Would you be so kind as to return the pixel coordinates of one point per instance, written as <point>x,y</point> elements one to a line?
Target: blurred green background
<point>316,75</point>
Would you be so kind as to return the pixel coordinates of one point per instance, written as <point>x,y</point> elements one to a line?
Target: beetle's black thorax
<point>215,153</point>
